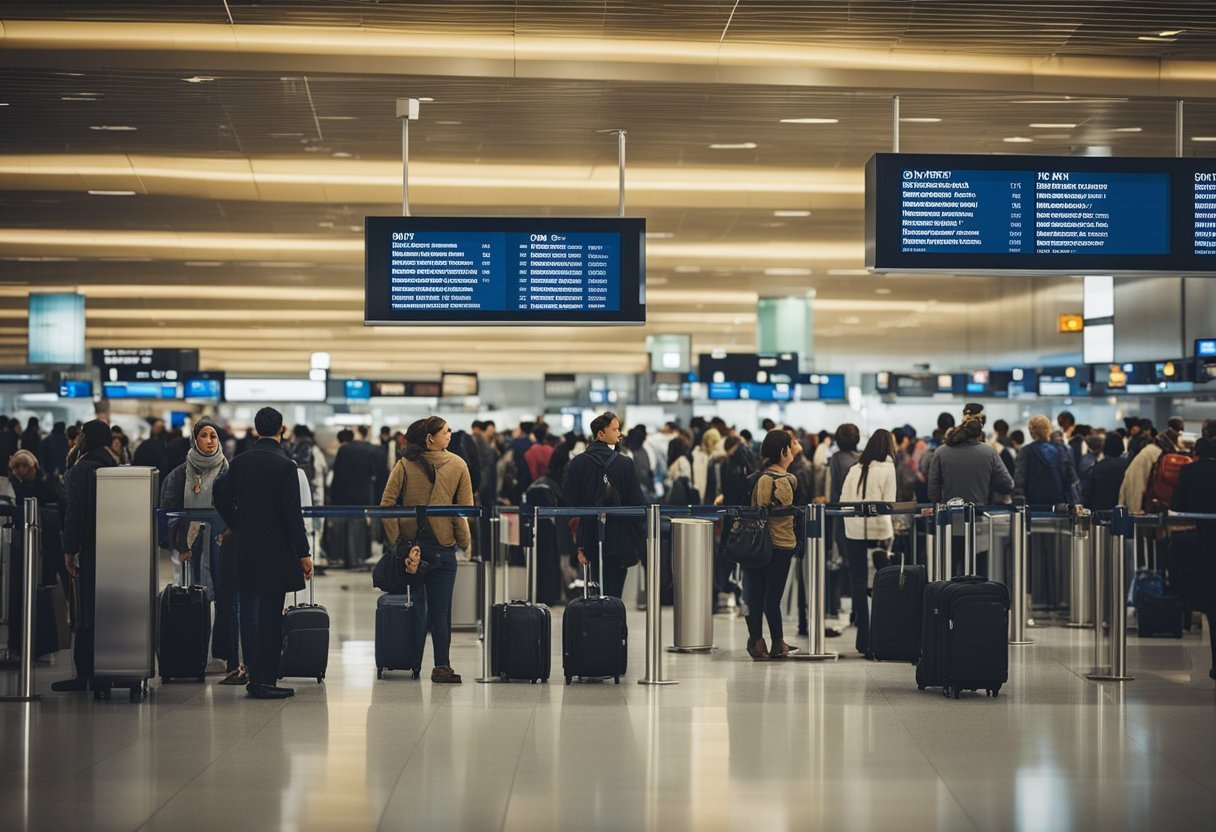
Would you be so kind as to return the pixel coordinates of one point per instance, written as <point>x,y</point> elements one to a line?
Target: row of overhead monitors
<point>1181,375</point>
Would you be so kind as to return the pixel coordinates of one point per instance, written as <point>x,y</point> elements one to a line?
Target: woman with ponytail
<point>428,475</point>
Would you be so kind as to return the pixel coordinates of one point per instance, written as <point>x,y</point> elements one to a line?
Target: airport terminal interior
<point>707,271</point>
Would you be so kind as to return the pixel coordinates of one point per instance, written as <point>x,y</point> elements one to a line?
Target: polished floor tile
<point>845,744</point>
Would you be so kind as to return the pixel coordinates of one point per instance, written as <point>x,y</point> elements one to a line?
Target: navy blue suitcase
<point>965,636</point>
<point>400,631</point>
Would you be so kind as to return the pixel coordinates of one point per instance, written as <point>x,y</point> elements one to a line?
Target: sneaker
<point>445,676</point>
<point>236,677</point>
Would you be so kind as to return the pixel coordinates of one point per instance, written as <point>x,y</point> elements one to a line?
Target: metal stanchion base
<point>1084,626</point>
<point>812,657</point>
<point>657,682</point>
<point>493,680</point>
<point>34,698</point>
<point>710,649</point>
<point>1020,643</point>
<point>1106,677</point>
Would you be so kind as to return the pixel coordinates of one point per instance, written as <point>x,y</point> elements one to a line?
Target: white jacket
<point>880,487</point>
<point>1135,479</point>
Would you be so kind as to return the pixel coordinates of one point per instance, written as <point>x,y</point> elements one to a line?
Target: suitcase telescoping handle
<point>968,579</point>
<point>204,532</point>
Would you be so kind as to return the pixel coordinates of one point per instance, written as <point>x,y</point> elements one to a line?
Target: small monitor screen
<point>140,390</point>
<point>358,389</point>
<point>204,388</point>
<point>1205,348</point>
<point>454,385</point>
<point>75,389</point>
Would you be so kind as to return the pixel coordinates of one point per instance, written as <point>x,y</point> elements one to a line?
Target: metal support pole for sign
<point>931,549</point>
<point>1100,543</point>
<point>654,601</point>
<point>487,603</point>
<point>32,554</point>
<point>407,110</point>
<point>895,124</point>
<point>941,519</point>
<point>1116,604</point>
<point>1179,108</point>
<point>620,164</point>
<point>1019,530</point>
<point>1080,602</point>
<point>969,554</point>
<point>814,530</point>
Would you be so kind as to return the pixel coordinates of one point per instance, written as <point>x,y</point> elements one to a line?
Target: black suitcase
<point>595,636</point>
<point>1159,616</point>
<point>522,641</point>
<point>896,610</point>
<point>183,630</point>
<point>305,640</point>
<point>400,632</point>
<point>965,636</point>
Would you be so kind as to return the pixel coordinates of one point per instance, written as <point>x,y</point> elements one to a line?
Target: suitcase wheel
<point>920,687</point>
<point>320,679</point>
<point>958,692</point>
<point>533,682</point>
<point>379,672</point>
<point>568,678</point>
<point>417,673</point>
<point>616,680</point>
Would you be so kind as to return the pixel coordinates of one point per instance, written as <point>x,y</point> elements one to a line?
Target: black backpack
<point>301,454</point>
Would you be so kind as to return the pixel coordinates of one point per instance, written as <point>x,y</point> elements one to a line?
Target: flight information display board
<point>1040,213</point>
<point>504,270</point>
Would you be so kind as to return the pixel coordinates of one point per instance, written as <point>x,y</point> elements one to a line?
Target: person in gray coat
<point>966,468</point>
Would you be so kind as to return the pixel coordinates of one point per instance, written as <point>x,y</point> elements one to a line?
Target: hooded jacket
<point>1034,478</point>
<point>452,487</point>
<point>80,517</point>
<point>968,469</point>
<point>623,536</point>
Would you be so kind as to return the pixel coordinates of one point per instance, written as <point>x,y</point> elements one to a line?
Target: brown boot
<point>758,650</point>
<point>782,650</point>
<point>445,676</point>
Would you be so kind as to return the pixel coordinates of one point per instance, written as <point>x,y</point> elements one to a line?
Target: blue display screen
<point>503,270</point>
<point>203,388</point>
<point>358,388</point>
<point>991,213</point>
<point>823,387</point>
<point>75,389</point>
<point>1205,348</point>
<point>754,392</point>
<point>140,390</point>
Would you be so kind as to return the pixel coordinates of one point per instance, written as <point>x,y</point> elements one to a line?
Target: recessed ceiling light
<point>733,146</point>
<point>77,98</point>
<point>784,271</point>
<point>882,291</point>
<point>112,193</point>
<point>337,118</point>
<point>1128,130</point>
<point>1017,139</point>
<point>851,320</point>
<point>449,122</point>
<point>1053,125</point>
<point>920,120</point>
<point>688,269</point>
<point>848,272</point>
<point>286,135</point>
<point>1054,137</point>
<point>810,121</point>
<point>659,235</point>
<point>425,100</point>
<point>1203,138</point>
<point>1156,39</point>
<point>203,264</point>
<point>1068,99</point>
<point>113,128</point>
<point>341,154</point>
<point>791,213</point>
<point>199,79</point>
<point>1169,33</point>
<point>3,103</point>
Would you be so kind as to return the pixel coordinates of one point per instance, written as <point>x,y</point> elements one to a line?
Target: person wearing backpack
<point>1140,470</point>
<point>603,476</point>
<point>1043,472</point>
<point>872,479</point>
<point>1196,492</point>
<point>772,487</point>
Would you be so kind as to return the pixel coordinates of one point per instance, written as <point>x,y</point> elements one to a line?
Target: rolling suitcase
<point>1159,616</point>
<point>896,610</point>
<point>965,636</point>
<point>595,636</point>
<point>183,629</point>
<point>521,639</point>
<point>400,632</point>
<point>305,640</point>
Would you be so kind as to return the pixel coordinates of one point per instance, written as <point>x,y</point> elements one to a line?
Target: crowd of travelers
<point>257,546</point>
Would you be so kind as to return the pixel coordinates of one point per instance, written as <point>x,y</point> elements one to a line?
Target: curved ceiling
<point>203,179</point>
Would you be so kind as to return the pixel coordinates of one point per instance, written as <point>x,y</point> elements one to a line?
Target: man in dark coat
<point>153,452</point>
<point>1196,492</point>
<point>602,476</point>
<point>54,457</point>
<point>80,544</point>
<point>259,499</point>
<point>357,466</point>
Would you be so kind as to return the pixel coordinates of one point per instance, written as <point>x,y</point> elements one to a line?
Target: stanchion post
<point>534,556</point>
<point>1117,672</point>
<point>1099,544</point>
<point>654,603</point>
<point>931,548</point>
<point>815,573</point>
<point>487,604</point>
<point>1080,605</point>
<point>32,555</point>
<point>1019,529</point>
<point>942,521</point>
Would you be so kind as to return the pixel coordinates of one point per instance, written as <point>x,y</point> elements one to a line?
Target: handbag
<point>747,541</point>
<point>389,572</point>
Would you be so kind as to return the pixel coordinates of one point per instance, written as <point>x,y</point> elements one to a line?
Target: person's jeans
<point>763,589</point>
<point>440,581</point>
<point>859,569</point>
<point>240,613</point>
<point>264,669</point>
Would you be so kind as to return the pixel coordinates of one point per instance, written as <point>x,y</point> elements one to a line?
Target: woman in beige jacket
<point>428,475</point>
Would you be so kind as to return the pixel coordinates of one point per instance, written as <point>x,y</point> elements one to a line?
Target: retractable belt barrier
<point>26,515</point>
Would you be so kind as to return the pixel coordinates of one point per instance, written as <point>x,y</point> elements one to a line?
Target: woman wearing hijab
<point>191,486</point>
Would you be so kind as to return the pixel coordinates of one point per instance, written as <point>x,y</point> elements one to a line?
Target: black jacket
<point>1196,492</point>
<point>54,457</point>
<point>80,516</point>
<point>259,499</point>
<point>357,467</point>
<point>623,536</point>
<point>1045,476</point>
<point>153,453</point>
<point>1105,479</point>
